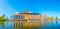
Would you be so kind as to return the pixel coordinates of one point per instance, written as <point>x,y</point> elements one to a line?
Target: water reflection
<point>29,25</point>
<point>2,23</point>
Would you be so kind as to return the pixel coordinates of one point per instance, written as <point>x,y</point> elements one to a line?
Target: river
<point>29,25</point>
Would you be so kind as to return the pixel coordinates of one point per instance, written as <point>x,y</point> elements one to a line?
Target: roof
<point>30,13</point>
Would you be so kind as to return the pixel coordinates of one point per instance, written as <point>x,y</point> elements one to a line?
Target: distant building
<point>27,16</point>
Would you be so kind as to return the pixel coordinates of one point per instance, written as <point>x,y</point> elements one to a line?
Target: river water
<point>29,25</point>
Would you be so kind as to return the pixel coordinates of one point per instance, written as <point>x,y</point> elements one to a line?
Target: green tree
<point>51,18</point>
<point>2,18</point>
<point>56,18</point>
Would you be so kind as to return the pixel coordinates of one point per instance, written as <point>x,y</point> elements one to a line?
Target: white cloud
<point>17,13</point>
<point>30,12</point>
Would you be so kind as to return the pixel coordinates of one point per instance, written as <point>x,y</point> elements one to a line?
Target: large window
<point>15,17</point>
<point>18,17</point>
<point>21,17</point>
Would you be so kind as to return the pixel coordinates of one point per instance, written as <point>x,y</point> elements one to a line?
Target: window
<point>18,17</point>
<point>14,17</point>
<point>21,17</point>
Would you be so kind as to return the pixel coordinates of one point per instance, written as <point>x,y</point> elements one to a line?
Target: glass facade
<point>22,17</point>
<point>18,17</point>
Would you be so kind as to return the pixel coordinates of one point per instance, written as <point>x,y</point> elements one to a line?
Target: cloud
<point>30,12</point>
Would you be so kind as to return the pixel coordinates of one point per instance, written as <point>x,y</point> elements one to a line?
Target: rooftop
<point>31,13</point>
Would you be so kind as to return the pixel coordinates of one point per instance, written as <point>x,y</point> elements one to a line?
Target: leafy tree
<point>2,18</point>
<point>56,18</point>
<point>50,18</point>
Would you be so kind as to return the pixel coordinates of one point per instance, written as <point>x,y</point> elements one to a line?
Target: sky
<point>45,7</point>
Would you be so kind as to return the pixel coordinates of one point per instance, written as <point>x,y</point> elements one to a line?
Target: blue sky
<point>46,7</point>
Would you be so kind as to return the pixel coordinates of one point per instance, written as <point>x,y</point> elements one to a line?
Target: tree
<point>2,18</point>
<point>56,18</point>
<point>51,18</point>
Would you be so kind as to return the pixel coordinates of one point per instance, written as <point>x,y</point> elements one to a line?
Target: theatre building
<point>27,16</point>
<point>30,17</point>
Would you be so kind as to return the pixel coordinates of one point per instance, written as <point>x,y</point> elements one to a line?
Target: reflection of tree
<point>2,23</point>
<point>2,19</point>
<point>56,19</point>
<point>51,20</point>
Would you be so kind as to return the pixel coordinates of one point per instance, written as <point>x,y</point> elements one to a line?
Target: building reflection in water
<point>27,25</point>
